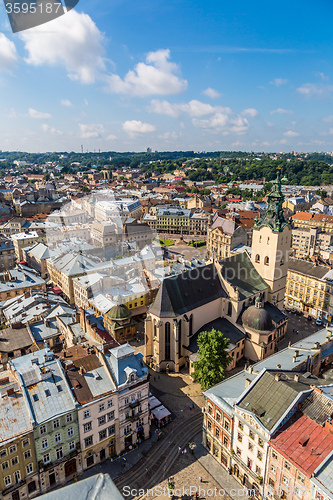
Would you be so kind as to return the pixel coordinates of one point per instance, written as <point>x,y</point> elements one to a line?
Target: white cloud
<point>212,93</point>
<point>51,130</point>
<point>270,124</point>
<point>167,136</point>
<point>38,114</point>
<point>224,122</point>
<point>291,133</point>
<point>193,108</point>
<point>327,119</point>
<point>279,81</point>
<point>137,127</point>
<point>281,111</point>
<point>283,141</point>
<point>322,76</point>
<point>251,112</point>
<point>8,54</point>
<point>66,103</point>
<point>111,137</point>
<point>72,41</point>
<point>314,90</point>
<point>222,118</point>
<point>155,76</point>
<point>91,131</point>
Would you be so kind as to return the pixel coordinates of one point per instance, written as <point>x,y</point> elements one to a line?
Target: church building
<point>242,296</point>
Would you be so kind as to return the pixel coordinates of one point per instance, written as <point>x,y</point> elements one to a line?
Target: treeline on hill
<point>220,167</point>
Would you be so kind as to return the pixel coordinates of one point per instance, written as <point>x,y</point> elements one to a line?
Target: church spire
<point>274,217</point>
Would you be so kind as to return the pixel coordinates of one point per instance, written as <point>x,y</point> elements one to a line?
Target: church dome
<point>257,319</point>
<point>119,312</point>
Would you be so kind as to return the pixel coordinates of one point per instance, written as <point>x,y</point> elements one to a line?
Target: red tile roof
<point>303,442</point>
<point>302,216</point>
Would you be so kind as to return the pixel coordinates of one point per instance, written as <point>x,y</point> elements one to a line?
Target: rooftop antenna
<point>81,148</point>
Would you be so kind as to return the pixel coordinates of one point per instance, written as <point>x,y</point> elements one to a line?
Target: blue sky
<point>179,75</point>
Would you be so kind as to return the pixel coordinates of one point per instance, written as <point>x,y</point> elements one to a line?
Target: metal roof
<point>303,442</point>
<point>42,374</point>
<point>15,416</point>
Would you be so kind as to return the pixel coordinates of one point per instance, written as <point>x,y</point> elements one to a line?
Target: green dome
<point>257,319</point>
<point>119,312</point>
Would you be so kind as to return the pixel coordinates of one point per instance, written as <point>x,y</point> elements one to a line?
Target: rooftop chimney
<point>247,382</point>
<point>277,377</point>
<point>296,377</point>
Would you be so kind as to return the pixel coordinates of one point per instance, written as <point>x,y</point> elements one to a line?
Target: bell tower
<point>271,244</point>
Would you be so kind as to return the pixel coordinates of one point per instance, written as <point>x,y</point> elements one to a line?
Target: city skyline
<point>177,76</point>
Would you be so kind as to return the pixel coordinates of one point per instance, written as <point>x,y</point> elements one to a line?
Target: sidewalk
<point>218,472</point>
<point>116,467</point>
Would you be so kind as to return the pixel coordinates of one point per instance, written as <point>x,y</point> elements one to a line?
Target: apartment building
<point>131,377</point>
<point>36,257</point>
<point>68,217</point>
<point>309,287</point>
<point>54,413</point>
<point>259,413</point>
<point>13,226</point>
<point>18,465</point>
<point>173,220</point>
<point>111,209</point>
<point>7,254</point>
<point>303,242</point>
<point>19,281</point>
<point>306,220</point>
<point>96,393</point>
<point>23,240</point>
<point>103,233</point>
<point>223,236</point>
<point>217,431</point>
<point>295,453</point>
<point>64,268</point>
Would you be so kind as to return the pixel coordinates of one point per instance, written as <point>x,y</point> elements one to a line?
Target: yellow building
<point>309,288</point>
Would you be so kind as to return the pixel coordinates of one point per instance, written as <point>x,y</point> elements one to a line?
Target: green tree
<point>213,358</point>
<point>322,193</point>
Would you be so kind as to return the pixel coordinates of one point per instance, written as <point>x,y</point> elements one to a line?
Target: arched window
<point>190,326</point>
<point>155,329</point>
<point>180,338</point>
<point>167,340</point>
<point>229,309</point>
<point>260,238</point>
<point>257,258</point>
<point>268,240</point>
<point>266,261</point>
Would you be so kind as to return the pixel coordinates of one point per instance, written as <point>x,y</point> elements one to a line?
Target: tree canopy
<point>213,358</point>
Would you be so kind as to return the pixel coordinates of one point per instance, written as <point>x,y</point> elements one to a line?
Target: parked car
<point>298,312</point>
<point>309,318</point>
<point>318,322</point>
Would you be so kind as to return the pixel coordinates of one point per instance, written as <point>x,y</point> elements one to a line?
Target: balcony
<point>42,467</point>
<point>13,487</point>
<point>133,404</point>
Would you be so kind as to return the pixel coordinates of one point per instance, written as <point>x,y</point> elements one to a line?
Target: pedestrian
<point>200,479</point>
<point>185,451</point>
<point>179,449</point>
<point>196,495</point>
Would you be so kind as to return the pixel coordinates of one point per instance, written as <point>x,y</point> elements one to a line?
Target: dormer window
<point>132,377</point>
